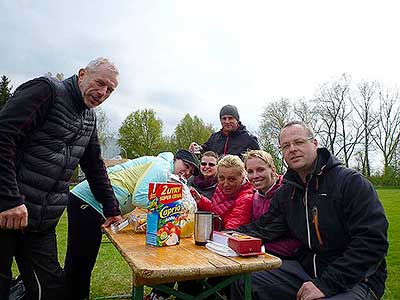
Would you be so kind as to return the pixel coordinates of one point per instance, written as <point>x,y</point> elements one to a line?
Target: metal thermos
<point>204,225</point>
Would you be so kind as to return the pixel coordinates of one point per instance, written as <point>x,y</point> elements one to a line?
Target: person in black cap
<point>233,138</point>
<point>130,181</point>
<point>188,160</point>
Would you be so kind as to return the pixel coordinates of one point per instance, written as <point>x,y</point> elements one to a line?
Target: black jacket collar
<point>325,161</point>
<point>72,86</point>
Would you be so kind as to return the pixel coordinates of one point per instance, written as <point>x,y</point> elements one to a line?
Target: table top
<point>157,265</point>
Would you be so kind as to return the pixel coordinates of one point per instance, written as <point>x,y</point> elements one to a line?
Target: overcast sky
<point>180,57</point>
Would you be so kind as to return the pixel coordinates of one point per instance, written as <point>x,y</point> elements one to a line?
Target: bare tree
<point>103,126</point>
<point>365,113</point>
<point>337,130</point>
<point>306,112</point>
<point>327,105</point>
<point>273,118</point>
<point>386,135</point>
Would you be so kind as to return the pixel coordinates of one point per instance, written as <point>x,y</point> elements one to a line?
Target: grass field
<point>113,276</point>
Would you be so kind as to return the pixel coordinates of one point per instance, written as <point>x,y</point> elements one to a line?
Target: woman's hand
<point>196,195</point>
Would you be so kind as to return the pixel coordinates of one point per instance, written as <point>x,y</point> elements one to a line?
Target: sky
<point>179,57</point>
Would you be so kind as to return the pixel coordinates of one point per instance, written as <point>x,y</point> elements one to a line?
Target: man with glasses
<point>130,181</point>
<point>337,215</point>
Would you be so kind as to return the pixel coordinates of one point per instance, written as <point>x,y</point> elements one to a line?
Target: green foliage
<point>141,134</point>
<point>5,90</point>
<point>269,147</point>
<point>191,130</point>
<point>273,118</point>
<point>390,178</point>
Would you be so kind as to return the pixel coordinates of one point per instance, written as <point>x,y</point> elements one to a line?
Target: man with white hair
<point>47,128</point>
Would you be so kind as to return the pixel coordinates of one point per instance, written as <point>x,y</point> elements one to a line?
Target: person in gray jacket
<point>47,128</point>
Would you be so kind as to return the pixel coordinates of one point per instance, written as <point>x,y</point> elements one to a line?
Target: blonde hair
<point>232,161</point>
<point>263,155</point>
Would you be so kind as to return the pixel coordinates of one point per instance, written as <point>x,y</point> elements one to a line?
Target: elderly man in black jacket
<point>336,213</point>
<point>46,129</point>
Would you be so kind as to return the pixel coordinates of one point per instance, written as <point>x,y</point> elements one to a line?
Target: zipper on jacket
<point>315,264</point>
<point>226,144</point>
<point>316,225</point>
<point>308,223</point>
<point>308,229</point>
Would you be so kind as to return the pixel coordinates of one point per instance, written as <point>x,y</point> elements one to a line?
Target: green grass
<point>113,276</point>
<point>391,202</point>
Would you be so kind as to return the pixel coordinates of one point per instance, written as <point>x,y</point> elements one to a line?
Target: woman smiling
<point>233,197</point>
<point>262,174</point>
<point>206,182</point>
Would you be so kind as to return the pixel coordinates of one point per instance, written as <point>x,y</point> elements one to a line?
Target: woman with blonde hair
<point>233,197</point>
<point>261,173</point>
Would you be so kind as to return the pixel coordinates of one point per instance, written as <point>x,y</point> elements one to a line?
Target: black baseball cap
<point>189,158</point>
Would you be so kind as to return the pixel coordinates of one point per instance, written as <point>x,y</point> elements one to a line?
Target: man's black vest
<point>47,158</point>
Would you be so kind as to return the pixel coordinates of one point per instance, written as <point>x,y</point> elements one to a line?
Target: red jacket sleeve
<point>204,204</point>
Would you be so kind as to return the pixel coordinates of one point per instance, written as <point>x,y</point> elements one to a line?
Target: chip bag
<point>189,207</point>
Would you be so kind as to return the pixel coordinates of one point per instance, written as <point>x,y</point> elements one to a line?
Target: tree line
<point>359,122</point>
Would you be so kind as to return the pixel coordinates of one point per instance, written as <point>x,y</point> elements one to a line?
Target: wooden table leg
<point>247,286</point>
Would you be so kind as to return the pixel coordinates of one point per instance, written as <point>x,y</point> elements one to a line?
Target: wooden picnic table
<point>154,266</point>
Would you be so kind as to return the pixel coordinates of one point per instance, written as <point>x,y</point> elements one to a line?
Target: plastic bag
<point>189,207</point>
<point>17,289</point>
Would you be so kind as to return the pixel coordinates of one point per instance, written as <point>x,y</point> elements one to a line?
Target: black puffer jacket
<point>339,218</point>
<point>59,133</point>
<point>236,143</point>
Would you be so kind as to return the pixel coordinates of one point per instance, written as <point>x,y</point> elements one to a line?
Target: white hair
<point>95,63</point>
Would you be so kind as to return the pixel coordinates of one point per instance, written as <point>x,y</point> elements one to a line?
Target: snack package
<point>189,207</point>
<point>164,214</point>
<point>139,223</point>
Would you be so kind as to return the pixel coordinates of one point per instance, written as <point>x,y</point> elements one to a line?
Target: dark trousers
<point>284,283</point>
<point>84,238</point>
<point>37,261</point>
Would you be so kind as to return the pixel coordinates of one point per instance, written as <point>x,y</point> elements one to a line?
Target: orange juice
<point>164,214</point>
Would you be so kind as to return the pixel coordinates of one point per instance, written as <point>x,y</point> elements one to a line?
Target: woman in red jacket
<point>233,197</point>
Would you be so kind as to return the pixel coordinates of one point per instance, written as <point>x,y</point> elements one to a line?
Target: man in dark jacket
<point>233,138</point>
<point>336,213</point>
<point>46,129</point>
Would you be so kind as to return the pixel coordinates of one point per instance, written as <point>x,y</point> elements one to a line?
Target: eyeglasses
<point>298,143</point>
<point>210,164</point>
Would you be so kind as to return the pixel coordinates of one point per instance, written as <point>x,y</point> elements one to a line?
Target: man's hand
<point>309,291</point>
<point>111,220</point>
<point>14,218</point>
<point>194,148</point>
